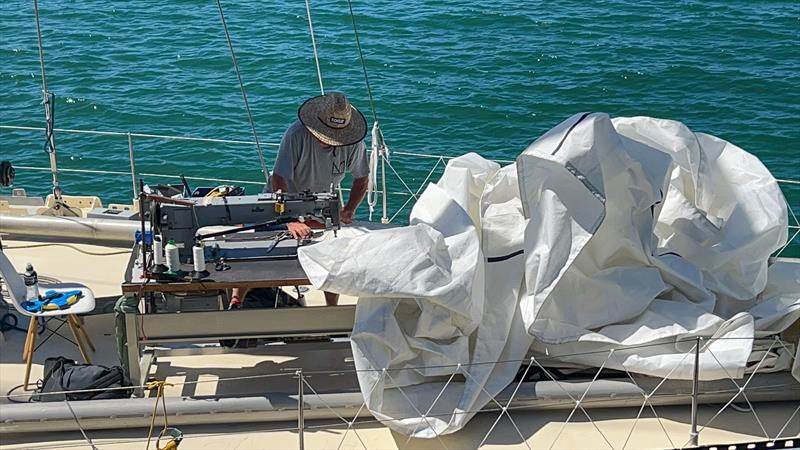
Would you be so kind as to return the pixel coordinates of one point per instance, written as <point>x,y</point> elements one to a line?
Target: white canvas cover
<point>634,233</point>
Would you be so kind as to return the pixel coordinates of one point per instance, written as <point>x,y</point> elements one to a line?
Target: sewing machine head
<point>181,220</point>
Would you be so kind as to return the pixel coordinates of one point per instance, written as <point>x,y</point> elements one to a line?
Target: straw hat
<point>333,120</point>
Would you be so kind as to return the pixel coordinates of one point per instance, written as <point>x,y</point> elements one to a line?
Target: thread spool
<point>158,255</point>
<point>173,256</point>
<point>199,261</point>
<point>199,258</point>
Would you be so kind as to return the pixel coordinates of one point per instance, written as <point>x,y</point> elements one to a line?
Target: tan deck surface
<point>101,269</point>
<point>98,267</point>
<point>538,428</point>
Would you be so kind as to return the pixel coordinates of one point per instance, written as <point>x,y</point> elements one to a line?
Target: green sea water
<point>448,77</point>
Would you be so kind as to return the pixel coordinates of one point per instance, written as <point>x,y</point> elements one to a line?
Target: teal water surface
<point>448,77</point>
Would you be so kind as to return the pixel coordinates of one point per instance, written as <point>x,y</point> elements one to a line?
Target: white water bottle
<point>173,256</point>
<point>31,280</point>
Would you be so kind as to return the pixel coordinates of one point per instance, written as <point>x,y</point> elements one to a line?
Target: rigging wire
<point>41,48</point>
<point>244,94</point>
<point>379,148</point>
<point>314,45</point>
<point>49,108</point>
<point>80,427</point>
<point>363,64</point>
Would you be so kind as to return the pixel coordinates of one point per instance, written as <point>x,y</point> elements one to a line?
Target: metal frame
<point>143,330</point>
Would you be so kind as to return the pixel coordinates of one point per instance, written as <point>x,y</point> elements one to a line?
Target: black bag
<point>64,374</point>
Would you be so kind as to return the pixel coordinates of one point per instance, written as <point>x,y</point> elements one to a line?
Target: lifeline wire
<point>503,410</point>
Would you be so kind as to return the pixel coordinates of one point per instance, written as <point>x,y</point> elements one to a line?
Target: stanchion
<point>300,419</point>
<point>695,387</point>
<point>133,166</point>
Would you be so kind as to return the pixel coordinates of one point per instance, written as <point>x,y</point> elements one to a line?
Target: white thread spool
<point>199,257</point>
<point>158,251</point>
<point>173,256</point>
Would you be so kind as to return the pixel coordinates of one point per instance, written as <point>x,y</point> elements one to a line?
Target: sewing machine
<point>238,229</point>
<point>240,222</point>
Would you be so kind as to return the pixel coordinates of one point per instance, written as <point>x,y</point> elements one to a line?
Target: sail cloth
<point>634,234</point>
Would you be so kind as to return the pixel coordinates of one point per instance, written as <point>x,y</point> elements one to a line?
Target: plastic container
<point>31,279</point>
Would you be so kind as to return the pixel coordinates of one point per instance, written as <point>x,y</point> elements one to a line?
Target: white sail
<point>634,234</point>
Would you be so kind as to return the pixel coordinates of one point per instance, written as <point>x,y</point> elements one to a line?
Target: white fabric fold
<point>632,234</point>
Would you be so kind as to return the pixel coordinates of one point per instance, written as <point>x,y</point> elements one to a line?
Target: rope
<point>159,385</point>
<point>363,64</point>
<point>244,93</point>
<point>314,45</point>
<point>177,436</point>
<point>372,191</point>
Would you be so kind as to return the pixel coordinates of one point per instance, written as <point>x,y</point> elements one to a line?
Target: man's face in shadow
<point>323,145</point>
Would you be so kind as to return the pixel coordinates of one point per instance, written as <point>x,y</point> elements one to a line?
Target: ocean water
<point>447,77</point>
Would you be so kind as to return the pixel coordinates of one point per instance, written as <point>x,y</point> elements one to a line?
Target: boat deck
<point>270,369</point>
<point>98,267</point>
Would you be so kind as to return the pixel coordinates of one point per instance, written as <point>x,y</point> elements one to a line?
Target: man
<point>316,151</point>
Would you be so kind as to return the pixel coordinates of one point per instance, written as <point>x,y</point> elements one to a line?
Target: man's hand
<point>299,230</point>
<point>346,215</point>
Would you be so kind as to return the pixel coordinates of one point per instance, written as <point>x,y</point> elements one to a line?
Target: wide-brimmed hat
<point>333,120</point>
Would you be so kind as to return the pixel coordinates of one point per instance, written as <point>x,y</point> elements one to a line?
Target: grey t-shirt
<point>307,166</point>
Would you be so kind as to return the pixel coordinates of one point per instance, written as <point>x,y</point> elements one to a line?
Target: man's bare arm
<point>279,183</point>
<point>357,192</point>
